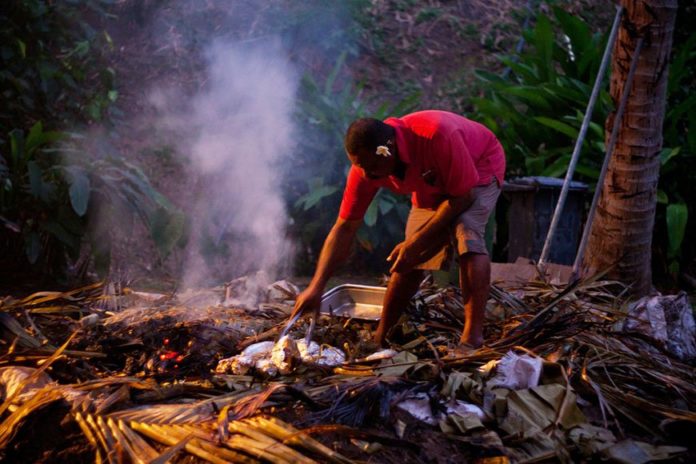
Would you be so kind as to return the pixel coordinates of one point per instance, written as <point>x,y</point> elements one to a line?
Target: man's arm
<point>334,252</point>
<point>405,255</point>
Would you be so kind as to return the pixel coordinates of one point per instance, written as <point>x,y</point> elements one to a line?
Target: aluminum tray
<point>355,301</point>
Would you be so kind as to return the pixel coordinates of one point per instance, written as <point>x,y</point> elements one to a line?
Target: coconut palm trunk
<point>621,235</point>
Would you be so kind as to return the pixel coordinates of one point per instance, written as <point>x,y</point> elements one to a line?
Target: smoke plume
<point>237,129</point>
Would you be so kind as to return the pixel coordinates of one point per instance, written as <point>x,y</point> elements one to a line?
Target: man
<point>453,168</point>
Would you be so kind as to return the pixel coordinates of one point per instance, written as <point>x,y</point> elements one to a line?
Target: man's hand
<point>403,257</point>
<point>334,252</point>
<point>407,254</point>
<point>308,300</point>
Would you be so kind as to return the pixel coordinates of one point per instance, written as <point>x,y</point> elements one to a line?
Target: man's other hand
<point>402,258</point>
<point>308,300</point>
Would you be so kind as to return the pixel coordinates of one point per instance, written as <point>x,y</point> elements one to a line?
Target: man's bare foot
<point>474,342</point>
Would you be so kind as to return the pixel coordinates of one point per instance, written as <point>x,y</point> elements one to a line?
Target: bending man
<point>453,168</point>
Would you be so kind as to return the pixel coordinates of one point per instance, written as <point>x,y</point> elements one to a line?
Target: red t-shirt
<point>446,155</point>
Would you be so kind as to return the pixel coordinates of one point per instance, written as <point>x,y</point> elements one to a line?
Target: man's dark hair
<point>365,134</point>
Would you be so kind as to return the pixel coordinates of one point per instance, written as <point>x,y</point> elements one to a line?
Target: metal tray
<point>355,301</point>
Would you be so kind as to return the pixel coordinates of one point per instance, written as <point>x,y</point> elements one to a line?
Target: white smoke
<point>237,129</point>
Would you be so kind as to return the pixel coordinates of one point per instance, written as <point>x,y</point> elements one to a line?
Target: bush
<point>53,195</point>
<point>677,184</point>
<point>537,109</point>
<point>50,198</point>
<point>54,66</point>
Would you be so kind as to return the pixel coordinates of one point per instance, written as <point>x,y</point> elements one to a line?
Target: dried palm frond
<point>247,441</point>
<point>245,437</point>
<point>87,292</point>
<point>126,436</point>
<point>286,433</point>
<point>565,294</point>
<point>133,382</point>
<point>443,306</point>
<point>9,425</point>
<point>195,442</point>
<point>170,452</point>
<point>8,401</point>
<point>354,400</point>
<point>637,380</point>
<point>27,347</point>
<point>359,433</point>
<point>250,404</point>
<point>507,299</point>
<point>21,337</point>
<point>629,378</point>
<point>200,411</point>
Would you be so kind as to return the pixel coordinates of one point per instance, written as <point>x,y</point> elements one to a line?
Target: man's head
<point>371,146</point>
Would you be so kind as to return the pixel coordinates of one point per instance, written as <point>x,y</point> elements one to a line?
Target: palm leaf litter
<point>570,373</point>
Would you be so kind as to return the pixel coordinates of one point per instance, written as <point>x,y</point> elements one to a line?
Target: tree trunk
<point>621,236</point>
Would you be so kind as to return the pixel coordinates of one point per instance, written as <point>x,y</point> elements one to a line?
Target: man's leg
<point>474,279</point>
<point>400,290</point>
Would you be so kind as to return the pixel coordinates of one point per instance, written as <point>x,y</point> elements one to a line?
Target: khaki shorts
<point>467,233</point>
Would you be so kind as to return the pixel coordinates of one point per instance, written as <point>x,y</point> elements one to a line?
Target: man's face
<point>373,166</point>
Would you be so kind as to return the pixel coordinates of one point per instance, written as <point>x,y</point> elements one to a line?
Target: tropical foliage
<point>50,198</point>
<point>537,109</point>
<point>54,66</point>
<point>678,162</point>
<point>53,194</point>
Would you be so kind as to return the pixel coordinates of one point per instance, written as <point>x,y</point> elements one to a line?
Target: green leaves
<point>48,50</point>
<point>79,191</point>
<point>677,217</point>
<point>167,229</point>
<point>537,109</point>
<point>529,95</point>
<point>32,247</point>
<point>318,192</point>
<point>544,43</point>
<point>372,213</point>
<point>47,200</point>
<point>677,184</point>
<point>667,154</point>
<point>35,181</point>
<point>126,189</point>
<point>559,126</point>
<point>581,48</point>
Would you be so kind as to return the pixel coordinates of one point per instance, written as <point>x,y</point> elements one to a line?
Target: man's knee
<point>406,278</point>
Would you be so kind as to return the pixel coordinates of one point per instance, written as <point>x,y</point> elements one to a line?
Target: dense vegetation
<point>537,110</point>
<point>55,192</point>
<point>58,197</point>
